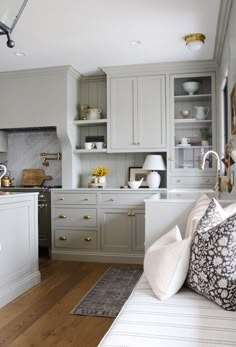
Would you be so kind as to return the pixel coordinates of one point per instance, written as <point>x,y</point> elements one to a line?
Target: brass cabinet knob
<point>88,238</point>
<point>61,199</point>
<point>87,216</point>
<point>62,216</point>
<point>138,143</point>
<point>130,214</point>
<point>62,238</point>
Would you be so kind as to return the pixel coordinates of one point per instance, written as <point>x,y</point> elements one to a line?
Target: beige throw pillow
<point>166,263</point>
<point>196,214</point>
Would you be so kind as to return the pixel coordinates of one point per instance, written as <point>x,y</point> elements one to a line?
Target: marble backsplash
<point>24,150</point>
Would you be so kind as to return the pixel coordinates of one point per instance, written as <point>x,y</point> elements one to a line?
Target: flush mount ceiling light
<point>195,41</point>
<point>135,42</point>
<point>10,12</point>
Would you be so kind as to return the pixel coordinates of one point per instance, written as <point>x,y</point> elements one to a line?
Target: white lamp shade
<point>154,162</point>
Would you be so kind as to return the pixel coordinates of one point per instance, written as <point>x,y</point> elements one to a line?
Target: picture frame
<point>233,110</point>
<point>136,173</point>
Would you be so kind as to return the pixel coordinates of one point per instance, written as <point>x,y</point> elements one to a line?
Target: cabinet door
<point>138,230</point>
<point>116,231</point>
<point>123,113</point>
<point>151,126</point>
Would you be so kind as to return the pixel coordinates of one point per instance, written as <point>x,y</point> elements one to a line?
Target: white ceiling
<point>90,34</point>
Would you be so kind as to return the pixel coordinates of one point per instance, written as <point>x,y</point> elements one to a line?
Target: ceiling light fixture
<point>20,54</point>
<point>10,12</point>
<point>195,41</point>
<point>135,42</point>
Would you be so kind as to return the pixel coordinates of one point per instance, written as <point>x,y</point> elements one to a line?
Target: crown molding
<point>222,25</point>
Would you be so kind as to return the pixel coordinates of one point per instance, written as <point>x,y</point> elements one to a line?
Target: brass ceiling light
<point>195,41</point>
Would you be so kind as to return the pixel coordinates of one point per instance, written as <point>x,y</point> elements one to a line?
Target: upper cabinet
<point>193,119</point>
<point>136,109</point>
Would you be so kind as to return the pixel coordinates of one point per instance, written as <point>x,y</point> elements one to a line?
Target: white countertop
<point>14,194</point>
<point>188,195</point>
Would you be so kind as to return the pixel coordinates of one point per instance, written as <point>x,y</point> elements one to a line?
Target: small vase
<point>102,179</point>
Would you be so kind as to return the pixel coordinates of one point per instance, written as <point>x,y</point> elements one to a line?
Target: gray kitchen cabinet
<point>198,129</point>
<point>122,230</point>
<point>137,114</point>
<point>95,225</point>
<point>116,231</point>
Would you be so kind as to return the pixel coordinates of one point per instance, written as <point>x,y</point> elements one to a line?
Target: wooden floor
<point>40,317</point>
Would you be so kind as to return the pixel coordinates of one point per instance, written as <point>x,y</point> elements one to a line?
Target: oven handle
<point>42,205</point>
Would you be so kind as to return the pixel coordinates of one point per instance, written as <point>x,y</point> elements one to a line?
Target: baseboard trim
<point>13,290</point>
<point>101,257</point>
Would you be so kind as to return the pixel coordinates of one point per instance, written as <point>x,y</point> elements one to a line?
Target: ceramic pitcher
<point>201,112</point>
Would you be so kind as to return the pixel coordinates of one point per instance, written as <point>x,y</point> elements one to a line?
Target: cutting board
<point>33,177</point>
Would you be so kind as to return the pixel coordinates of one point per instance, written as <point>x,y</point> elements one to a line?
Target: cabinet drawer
<point>75,239</point>
<point>193,180</point>
<point>75,217</point>
<point>75,198</point>
<point>137,199</point>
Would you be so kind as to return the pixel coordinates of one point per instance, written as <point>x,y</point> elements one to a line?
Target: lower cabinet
<point>122,231</point>
<point>110,228</point>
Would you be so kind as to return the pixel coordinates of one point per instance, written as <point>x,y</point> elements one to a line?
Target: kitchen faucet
<point>4,169</point>
<point>217,187</point>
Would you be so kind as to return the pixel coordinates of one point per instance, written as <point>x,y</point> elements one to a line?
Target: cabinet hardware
<point>178,180</point>
<point>87,216</point>
<point>62,238</point>
<point>62,216</point>
<point>86,199</point>
<point>138,143</point>
<point>111,199</point>
<point>61,199</point>
<point>88,238</point>
<point>130,214</point>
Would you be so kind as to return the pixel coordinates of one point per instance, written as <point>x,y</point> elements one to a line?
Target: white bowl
<point>134,184</point>
<point>191,87</point>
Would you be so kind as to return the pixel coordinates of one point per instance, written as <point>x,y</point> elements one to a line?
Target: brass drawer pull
<point>88,238</point>
<point>87,216</point>
<point>62,238</point>
<point>62,216</point>
<point>130,214</point>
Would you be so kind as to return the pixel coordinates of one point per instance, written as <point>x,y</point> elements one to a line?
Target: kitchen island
<point>166,209</point>
<point>18,244</point>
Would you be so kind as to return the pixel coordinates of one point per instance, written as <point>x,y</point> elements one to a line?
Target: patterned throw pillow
<point>212,270</point>
<point>214,215</point>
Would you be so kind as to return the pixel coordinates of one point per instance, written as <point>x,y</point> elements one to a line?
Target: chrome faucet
<point>217,187</point>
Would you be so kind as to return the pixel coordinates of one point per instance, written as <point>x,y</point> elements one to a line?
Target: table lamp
<point>153,163</point>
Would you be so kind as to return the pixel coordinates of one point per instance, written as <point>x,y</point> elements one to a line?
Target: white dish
<point>185,145</point>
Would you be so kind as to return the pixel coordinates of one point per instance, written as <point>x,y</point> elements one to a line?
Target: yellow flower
<point>100,171</point>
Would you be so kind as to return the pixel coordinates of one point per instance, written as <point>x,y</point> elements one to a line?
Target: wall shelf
<point>86,151</point>
<point>87,123</point>
<point>197,97</point>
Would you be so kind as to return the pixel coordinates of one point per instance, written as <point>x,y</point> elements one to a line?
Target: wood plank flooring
<point>40,317</point>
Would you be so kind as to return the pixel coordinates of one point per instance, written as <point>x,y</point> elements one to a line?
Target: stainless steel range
<point>44,214</point>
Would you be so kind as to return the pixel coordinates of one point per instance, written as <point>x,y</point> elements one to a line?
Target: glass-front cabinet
<point>193,127</point>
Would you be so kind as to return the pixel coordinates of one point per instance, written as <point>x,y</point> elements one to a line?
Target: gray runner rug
<point>109,294</point>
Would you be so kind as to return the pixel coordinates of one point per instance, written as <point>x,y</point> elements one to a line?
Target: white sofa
<point>187,319</point>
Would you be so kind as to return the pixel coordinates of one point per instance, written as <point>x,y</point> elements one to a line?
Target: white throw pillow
<point>166,263</point>
<point>196,214</point>
<point>231,209</point>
